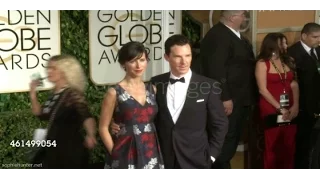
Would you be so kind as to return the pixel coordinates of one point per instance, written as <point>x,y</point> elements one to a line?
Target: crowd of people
<point>187,120</point>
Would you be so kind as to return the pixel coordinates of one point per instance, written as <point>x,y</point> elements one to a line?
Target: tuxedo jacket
<point>308,78</point>
<point>200,129</point>
<point>315,150</point>
<point>230,60</point>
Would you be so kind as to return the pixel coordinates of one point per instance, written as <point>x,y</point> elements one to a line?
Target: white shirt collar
<point>307,48</point>
<point>187,76</point>
<point>234,31</point>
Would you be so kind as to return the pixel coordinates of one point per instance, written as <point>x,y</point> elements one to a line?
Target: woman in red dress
<point>275,74</point>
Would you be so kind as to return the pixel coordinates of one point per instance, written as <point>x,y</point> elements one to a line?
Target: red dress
<point>279,141</point>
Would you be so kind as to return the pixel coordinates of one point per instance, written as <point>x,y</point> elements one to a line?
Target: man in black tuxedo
<point>228,57</point>
<point>306,54</point>
<point>191,123</point>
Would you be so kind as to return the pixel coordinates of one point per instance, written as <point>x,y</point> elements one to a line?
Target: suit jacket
<point>230,60</point>
<point>200,129</point>
<point>196,65</point>
<point>308,78</point>
<point>315,150</point>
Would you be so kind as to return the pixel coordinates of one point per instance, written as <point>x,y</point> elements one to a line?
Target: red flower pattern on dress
<point>148,141</point>
<point>143,116</point>
<point>150,110</point>
<point>150,145</point>
<point>144,137</point>
<point>137,144</point>
<point>128,115</point>
<point>149,153</point>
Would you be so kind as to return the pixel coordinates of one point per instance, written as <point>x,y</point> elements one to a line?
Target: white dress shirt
<point>308,49</point>
<point>237,33</point>
<point>176,96</point>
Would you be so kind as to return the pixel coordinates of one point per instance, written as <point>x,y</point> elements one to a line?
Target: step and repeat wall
<point>109,30</point>
<point>27,40</point>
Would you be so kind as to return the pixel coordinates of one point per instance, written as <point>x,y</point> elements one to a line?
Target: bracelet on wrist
<point>279,109</point>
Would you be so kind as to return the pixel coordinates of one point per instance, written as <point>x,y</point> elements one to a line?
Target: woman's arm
<point>78,101</point>
<point>261,77</point>
<point>107,109</point>
<point>35,105</point>
<point>294,84</point>
<point>90,127</point>
<point>294,110</point>
<point>295,91</point>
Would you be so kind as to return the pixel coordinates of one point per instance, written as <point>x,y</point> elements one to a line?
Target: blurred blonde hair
<point>72,70</point>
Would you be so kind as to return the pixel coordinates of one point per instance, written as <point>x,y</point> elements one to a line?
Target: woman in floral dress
<point>131,103</point>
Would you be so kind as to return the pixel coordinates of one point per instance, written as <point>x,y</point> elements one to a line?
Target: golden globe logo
<point>121,27</point>
<point>21,36</point>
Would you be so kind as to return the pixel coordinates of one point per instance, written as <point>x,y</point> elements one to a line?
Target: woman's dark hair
<point>131,50</point>
<point>281,38</point>
<point>270,45</point>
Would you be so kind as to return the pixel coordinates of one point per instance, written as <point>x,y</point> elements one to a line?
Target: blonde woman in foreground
<point>67,112</point>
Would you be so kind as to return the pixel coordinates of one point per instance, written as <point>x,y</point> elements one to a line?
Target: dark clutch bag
<point>271,121</point>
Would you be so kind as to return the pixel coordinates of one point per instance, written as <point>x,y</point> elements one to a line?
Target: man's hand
<point>228,107</point>
<point>115,128</point>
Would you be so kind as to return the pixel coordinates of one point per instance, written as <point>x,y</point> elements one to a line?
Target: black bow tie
<point>172,81</point>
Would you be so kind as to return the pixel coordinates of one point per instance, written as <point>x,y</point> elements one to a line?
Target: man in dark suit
<point>191,122</point>
<point>306,54</point>
<point>228,57</point>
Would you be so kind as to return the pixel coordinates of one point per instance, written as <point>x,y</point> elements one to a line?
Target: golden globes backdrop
<point>110,29</point>
<point>27,40</point>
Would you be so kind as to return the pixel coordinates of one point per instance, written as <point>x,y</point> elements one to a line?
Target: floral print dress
<point>136,146</point>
